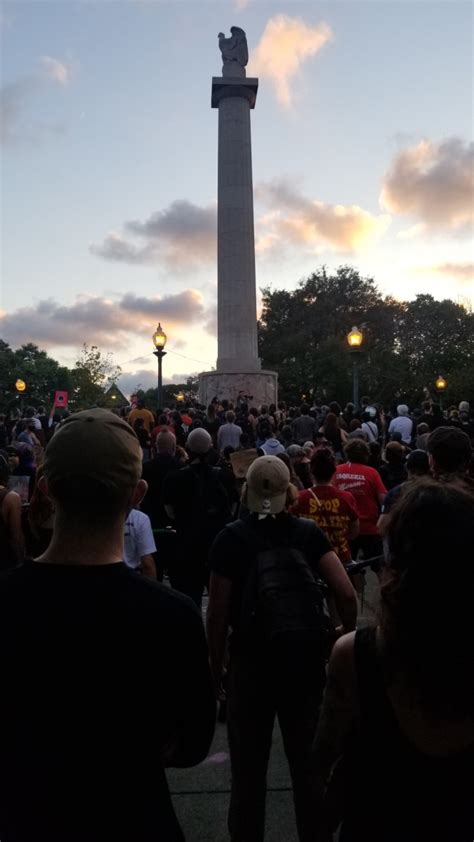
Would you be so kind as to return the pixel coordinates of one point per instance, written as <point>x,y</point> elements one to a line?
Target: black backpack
<point>282,603</point>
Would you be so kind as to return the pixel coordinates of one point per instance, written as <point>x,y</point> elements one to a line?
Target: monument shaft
<point>238,374</point>
<point>236,288</point>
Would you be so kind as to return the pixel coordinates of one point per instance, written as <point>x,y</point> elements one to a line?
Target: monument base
<point>258,387</point>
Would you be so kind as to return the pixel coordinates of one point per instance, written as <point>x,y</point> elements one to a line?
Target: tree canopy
<point>41,373</point>
<point>407,344</point>
<point>86,382</point>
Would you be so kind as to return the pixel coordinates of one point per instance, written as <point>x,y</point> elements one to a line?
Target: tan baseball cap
<point>94,444</point>
<point>268,479</point>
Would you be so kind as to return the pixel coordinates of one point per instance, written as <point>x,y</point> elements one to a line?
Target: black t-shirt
<point>102,671</point>
<point>201,497</point>
<point>232,559</point>
<point>392,475</point>
<point>155,472</point>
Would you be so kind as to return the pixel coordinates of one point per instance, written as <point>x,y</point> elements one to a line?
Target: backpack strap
<point>318,501</point>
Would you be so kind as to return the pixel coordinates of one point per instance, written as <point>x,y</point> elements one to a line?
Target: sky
<point>362,154</point>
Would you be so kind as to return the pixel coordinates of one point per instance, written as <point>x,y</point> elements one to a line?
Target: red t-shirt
<point>332,510</point>
<point>366,485</point>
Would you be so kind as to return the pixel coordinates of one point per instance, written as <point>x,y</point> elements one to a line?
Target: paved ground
<point>201,795</point>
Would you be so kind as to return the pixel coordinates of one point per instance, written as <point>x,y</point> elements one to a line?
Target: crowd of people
<point>115,526</point>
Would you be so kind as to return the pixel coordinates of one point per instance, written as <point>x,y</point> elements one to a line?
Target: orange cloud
<point>56,70</point>
<point>434,182</point>
<point>283,48</point>
<point>461,272</point>
<point>343,228</point>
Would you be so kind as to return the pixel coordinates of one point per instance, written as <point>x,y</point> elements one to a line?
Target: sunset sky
<point>362,154</point>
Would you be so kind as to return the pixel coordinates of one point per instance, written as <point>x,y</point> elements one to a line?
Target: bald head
<point>166,443</point>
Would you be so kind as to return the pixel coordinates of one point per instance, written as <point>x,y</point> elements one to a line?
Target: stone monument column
<point>236,285</point>
<point>238,363</point>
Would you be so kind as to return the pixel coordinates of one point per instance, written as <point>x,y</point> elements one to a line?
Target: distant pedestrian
<point>402,424</point>
<point>228,434</point>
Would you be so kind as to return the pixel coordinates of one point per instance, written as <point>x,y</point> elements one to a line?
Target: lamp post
<point>440,385</point>
<point>354,340</point>
<point>20,387</point>
<point>159,341</point>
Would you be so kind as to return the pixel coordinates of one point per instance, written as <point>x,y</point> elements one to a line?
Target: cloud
<point>98,320</point>
<point>182,235</point>
<point>298,220</point>
<point>145,378</point>
<point>461,272</point>
<point>183,306</point>
<point>283,48</point>
<point>56,70</point>
<point>14,98</point>
<point>434,182</point>
<point>240,5</point>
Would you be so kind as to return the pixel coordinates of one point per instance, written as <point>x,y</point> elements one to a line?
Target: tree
<point>42,374</point>
<point>93,373</point>
<point>302,334</point>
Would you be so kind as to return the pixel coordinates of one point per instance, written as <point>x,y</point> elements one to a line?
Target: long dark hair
<point>426,616</point>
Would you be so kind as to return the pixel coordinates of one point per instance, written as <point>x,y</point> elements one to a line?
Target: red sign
<point>61,399</point>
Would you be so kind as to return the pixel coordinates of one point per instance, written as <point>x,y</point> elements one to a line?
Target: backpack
<point>282,603</point>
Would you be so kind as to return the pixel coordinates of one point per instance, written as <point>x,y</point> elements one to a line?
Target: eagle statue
<point>234,51</point>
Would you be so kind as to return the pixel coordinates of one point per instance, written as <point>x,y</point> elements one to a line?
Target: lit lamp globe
<point>355,338</point>
<point>20,385</point>
<point>159,338</point>
<point>180,397</point>
<point>440,384</point>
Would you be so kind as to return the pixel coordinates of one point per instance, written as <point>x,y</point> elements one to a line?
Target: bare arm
<point>148,566</point>
<point>12,511</point>
<point>339,709</point>
<point>354,529</point>
<point>218,616</point>
<point>333,572</point>
<point>382,524</point>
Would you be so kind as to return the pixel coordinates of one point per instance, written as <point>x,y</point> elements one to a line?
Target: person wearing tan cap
<point>93,717</point>
<point>263,588</point>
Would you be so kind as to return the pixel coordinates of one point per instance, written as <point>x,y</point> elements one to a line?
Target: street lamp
<point>159,340</point>
<point>440,385</point>
<point>355,339</point>
<point>20,385</point>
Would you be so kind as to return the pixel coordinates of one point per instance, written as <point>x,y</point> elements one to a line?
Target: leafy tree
<point>302,334</point>
<point>42,374</point>
<point>93,373</point>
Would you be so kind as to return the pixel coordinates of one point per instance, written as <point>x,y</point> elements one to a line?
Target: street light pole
<point>440,385</point>
<point>354,340</point>
<point>159,339</point>
<point>355,378</point>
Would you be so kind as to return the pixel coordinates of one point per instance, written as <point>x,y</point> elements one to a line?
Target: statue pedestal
<point>259,387</point>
